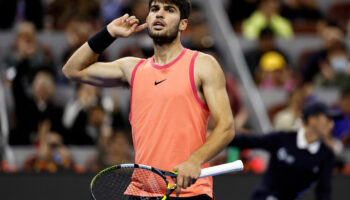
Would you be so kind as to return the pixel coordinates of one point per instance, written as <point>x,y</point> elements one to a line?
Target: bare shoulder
<point>207,67</point>
<point>127,65</point>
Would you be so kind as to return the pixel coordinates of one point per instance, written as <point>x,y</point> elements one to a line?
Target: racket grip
<point>222,169</point>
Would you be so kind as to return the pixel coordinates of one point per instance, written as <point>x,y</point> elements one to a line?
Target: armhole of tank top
<point>193,84</point>
<point>132,85</point>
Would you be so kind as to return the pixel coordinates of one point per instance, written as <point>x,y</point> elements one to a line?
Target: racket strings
<point>129,184</point>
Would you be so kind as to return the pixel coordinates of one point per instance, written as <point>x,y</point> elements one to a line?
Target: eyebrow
<point>170,6</point>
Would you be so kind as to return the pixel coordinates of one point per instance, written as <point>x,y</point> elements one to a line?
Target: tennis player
<point>171,94</point>
<point>297,159</point>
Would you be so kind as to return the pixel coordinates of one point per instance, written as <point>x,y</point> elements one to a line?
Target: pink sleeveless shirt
<point>168,118</point>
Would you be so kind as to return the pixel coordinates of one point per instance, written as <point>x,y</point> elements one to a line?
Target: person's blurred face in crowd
<point>164,22</point>
<point>87,95</point>
<point>321,125</point>
<point>331,35</point>
<point>26,44</point>
<point>51,143</point>
<point>97,116</point>
<point>43,86</point>
<point>269,7</point>
<point>338,59</point>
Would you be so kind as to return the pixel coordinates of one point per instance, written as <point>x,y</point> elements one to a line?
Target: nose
<point>160,14</point>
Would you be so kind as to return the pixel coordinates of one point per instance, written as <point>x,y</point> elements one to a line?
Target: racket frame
<point>161,173</point>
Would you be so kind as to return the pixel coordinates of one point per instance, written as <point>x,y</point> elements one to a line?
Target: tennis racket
<point>141,182</point>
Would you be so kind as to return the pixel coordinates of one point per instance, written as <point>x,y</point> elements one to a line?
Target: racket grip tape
<point>222,169</point>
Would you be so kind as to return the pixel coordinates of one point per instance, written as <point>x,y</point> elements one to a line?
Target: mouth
<point>158,25</point>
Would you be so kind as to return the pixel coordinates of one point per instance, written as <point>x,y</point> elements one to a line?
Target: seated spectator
<point>301,10</point>
<point>113,149</point>
<point>28,52</point>
<point>273,72</point>
<point>30,110</point>
<point>330,34</point>
<point>267,15</point>
<point>335,69</point>
<point>265,43</point>
<point>76,115</point>
<point>52,156</point>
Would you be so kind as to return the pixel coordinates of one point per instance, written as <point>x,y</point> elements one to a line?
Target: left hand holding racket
<point>188,172</point>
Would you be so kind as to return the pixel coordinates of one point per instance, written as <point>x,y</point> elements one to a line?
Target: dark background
<point>76,187</point>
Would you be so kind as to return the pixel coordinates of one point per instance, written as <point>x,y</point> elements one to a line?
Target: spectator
<point>289,118</point>
<point>52,155</point>
<point>28,52</point>
<point>335,69</point>
<point>273,72</point>
<point>330,34</point>
<point>265,44</point>
<point>62,11</point>
<point>19,10</point>
<point>290,150</point>
<point>84,117</point>
<point>113,149</point>
<point>301,10</point>
<point>267,15</point>
<point>30,110</point>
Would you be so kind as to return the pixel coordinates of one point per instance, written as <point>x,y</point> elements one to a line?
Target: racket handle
<point>222,169</point>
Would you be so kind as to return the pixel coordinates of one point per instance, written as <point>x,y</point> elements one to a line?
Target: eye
<point>154,9</point>
<point>171,10</point>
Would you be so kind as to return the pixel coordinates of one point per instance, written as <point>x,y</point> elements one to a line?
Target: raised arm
<point>212,81</point>
<point>82,65</point>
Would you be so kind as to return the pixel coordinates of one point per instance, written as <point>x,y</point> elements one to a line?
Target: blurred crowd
<point>93,116</point>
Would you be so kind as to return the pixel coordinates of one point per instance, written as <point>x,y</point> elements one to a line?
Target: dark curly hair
<point>183,5</point>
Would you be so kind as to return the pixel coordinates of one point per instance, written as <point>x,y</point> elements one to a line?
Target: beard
<point>164,38</point>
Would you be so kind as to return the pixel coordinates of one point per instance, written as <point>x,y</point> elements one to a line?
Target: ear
<point>183,24</point>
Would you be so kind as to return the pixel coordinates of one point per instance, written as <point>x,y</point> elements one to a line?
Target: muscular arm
<point>82,65</point>
<point>210,76</point>
<point>214,89</point>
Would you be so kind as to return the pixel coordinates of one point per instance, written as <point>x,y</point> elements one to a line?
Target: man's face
<point>164,22</point>
<point>322,125</point>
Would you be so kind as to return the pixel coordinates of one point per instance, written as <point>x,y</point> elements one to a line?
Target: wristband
<point>100,41</point>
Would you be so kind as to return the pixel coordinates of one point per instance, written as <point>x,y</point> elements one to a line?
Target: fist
<point>125,26</point>
<point>188,172</point>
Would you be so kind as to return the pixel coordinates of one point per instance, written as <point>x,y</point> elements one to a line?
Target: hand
<point>125,26</point>
<point>188,173</point>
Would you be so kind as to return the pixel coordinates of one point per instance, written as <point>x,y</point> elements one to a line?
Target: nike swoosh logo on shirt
<point>156,83</point>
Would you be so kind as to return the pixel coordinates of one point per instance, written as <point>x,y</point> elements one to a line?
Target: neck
<point>165,53</point>
<point>310,135</point>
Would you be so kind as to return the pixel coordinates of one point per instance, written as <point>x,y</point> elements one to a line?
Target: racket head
<point>131,182</point>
